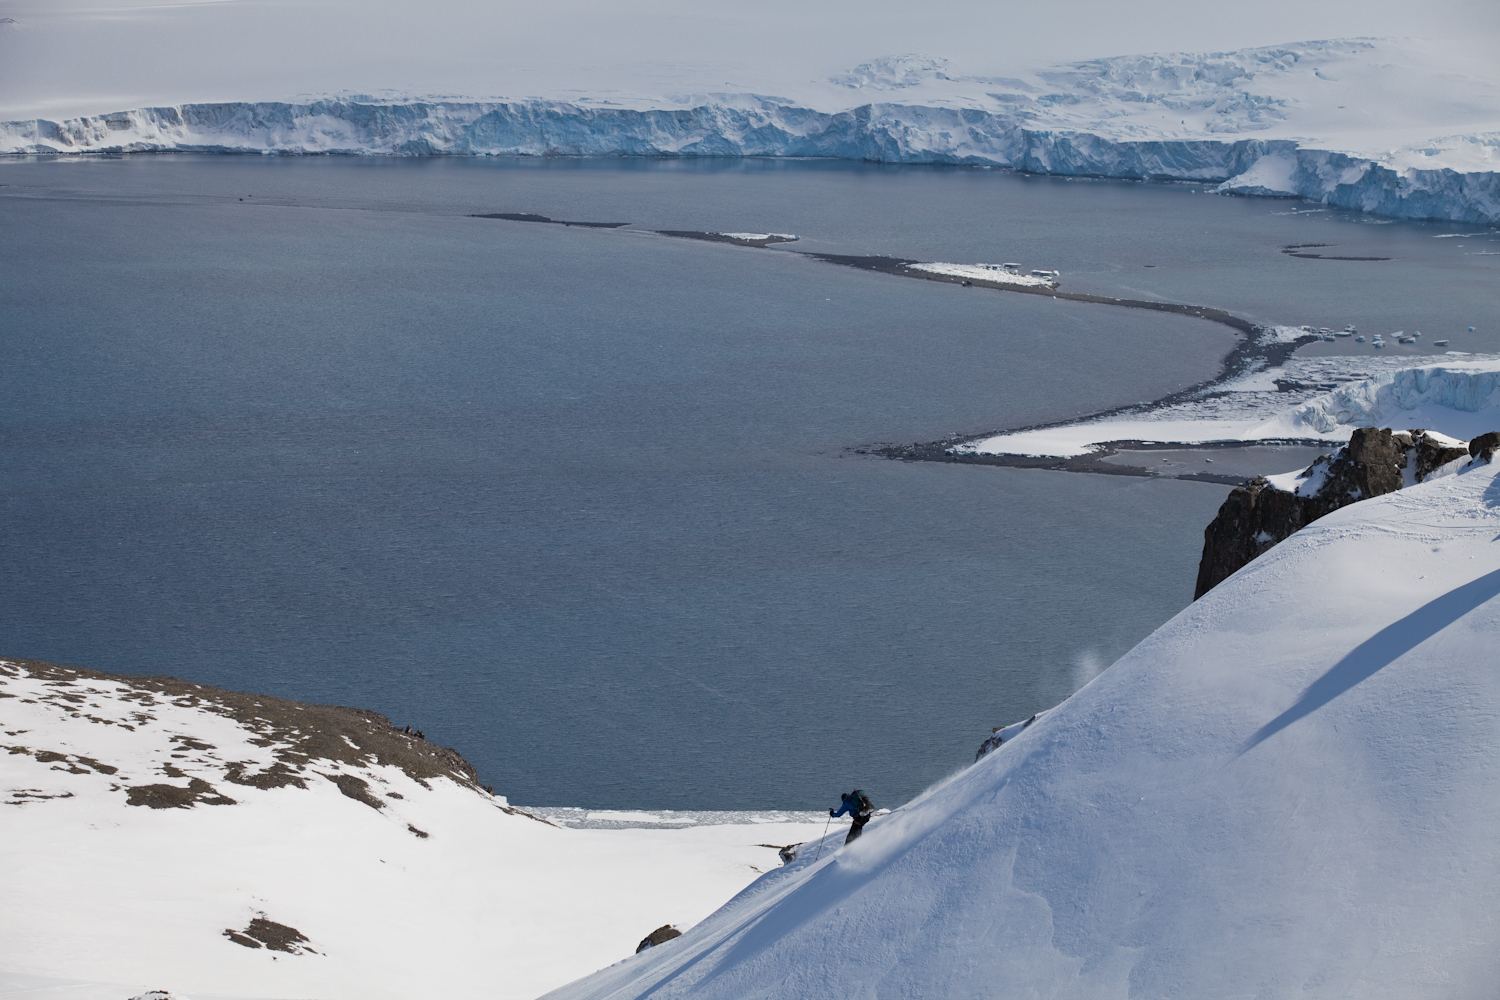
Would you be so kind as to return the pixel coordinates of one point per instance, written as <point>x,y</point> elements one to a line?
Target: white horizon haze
<point>87,57</point>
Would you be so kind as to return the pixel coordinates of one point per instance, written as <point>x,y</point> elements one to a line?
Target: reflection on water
<point>578,502</point>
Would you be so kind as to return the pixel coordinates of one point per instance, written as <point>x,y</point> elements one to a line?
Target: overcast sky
<point>68,57</point>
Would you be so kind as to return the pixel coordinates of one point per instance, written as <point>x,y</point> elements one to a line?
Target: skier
<point>859,807</point>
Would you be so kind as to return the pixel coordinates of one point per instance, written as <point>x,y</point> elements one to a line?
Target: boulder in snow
<point>661,935</point>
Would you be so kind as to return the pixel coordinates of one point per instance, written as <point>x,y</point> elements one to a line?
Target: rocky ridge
<point>300,742</point>
<point>160,833</point>
<point>1376,461</point>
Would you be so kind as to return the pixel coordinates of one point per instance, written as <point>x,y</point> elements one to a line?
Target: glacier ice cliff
<point>1393,396</point>
<point>889,133</point>
<point>1271,121</point>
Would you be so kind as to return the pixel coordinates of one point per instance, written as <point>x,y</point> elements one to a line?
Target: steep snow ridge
<point>1375,125</point>
<point>1290,789</point>
<point>215,843</point>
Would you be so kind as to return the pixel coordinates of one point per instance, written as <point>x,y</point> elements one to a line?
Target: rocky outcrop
<point>1376,461</point>
<point>1483,447</point>
<point>661,935</point>
<point>1432,454</point>
<point>1254,517</point>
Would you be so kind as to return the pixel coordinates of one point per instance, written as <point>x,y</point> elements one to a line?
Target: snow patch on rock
<point>159,833</point>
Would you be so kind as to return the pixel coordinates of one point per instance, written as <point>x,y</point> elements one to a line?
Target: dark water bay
<point>581,503</point>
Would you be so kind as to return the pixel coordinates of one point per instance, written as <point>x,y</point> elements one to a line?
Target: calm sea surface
<point>580,502</point>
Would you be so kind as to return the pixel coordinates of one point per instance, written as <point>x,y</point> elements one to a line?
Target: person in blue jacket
<point>859,807</point>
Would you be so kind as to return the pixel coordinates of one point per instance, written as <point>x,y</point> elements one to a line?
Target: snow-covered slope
<point>1289,790</point>
<point>154,833</point>
<point>1402,128</point>
<point>1460,398</point>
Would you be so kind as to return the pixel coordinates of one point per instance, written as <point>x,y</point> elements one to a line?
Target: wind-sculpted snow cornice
<point>881,132</point>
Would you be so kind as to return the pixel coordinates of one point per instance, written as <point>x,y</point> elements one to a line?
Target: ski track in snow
<point>1290,785</point>
<point>1290,789</point>
<point>1387,126</point>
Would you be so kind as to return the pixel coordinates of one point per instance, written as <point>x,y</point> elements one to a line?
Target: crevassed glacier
<point>1388,397</point>
<point>1268,121</point>
<point>892,133</point>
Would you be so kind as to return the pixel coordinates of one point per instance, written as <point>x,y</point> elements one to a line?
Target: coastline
<point>975,138</point>
<point>1253,382</point>
<point>1094,462</point>
<point>1255,352</point>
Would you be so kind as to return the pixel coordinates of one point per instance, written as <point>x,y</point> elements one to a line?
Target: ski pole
<point>824,837</point>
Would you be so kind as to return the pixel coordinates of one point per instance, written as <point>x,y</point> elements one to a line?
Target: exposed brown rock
<point>278,775</point>
<point>273,936</point>
<point>1376,461</point>
<point>175,796</point>
<point>304,740</point>
<point>1431,455</point>
<point>302,733</point>
<point>665,932</point>
<point>356,788</point>
<point>1483,447</point>
<point>1377,456</point>
<point>1252,519</point>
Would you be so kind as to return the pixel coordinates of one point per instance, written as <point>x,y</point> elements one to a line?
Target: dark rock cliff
<point>1376,461</point>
